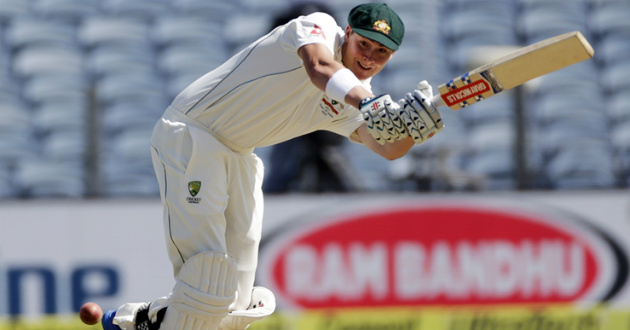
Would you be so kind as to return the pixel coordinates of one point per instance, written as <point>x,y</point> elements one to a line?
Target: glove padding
<point>422,119</point>
<point>383,119</point>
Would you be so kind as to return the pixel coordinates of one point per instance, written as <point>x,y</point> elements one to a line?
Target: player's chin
<point>363,73</point>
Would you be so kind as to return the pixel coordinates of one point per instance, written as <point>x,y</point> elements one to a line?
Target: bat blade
<point>514,69</point>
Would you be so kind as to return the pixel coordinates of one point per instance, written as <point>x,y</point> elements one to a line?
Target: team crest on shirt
<point>193,189</point>
<point>329,107</point>
<point>382,26</point>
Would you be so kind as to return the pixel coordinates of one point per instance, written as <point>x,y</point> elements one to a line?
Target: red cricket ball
<point>90,313</point>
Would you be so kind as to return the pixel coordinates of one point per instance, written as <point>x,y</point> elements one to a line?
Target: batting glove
<point>422,119</point>
<point>382,116</point>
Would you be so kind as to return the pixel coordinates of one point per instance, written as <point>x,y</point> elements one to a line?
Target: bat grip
<point>437,101</point>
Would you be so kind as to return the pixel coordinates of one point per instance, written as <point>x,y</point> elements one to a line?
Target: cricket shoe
<point>135,316</point>
<point>108,321</point>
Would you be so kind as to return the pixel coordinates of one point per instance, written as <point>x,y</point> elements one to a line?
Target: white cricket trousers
<point>225,214</point>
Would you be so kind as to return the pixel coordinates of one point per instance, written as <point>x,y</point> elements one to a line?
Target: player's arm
<point>385,120</point>
<point>390,151</point>
<point>320,66</point>
<point>414,118</point>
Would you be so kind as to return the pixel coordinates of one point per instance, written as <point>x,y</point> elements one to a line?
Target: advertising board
<point>416,261</point>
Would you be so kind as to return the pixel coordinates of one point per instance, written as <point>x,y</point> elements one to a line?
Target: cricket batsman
<point>307,75</point>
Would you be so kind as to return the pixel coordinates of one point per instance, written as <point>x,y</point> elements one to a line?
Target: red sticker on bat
<point>466,92</point>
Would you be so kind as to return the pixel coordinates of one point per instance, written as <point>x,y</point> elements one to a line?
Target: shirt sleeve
<point>323,29</point>
<point>347,126</point>
<point>314,28</point>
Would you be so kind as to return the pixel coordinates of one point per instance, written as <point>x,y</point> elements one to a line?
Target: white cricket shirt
<point>263,95</point>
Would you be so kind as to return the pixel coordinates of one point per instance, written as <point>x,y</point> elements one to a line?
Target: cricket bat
<point>514,69</point>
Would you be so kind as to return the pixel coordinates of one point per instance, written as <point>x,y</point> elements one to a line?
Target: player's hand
<point>422,119</point>
<point>382,116</point>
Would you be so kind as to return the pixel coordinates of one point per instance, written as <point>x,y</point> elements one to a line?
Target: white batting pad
<point>205,289</point>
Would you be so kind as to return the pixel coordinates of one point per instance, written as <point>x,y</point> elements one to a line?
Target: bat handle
<point>437,101</point>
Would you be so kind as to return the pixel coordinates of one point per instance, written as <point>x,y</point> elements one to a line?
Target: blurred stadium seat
<point>48,60</point>
<point>65,145</point>
<point>143,9</point>
<point>181,29</point>
<point>60,115</point>
<point>613,49</point>
<point>614,78</point>
<point>618,106</point>
<point>128,114</point>
<point>107,59</point>
<point>218,11</point>
<point>126,164</point>
<point>620,141</point>
<point>118,30</point>
<point>30,31</point>
<point>11,9</point>
<point>191,58</point>
<point>42,178</point>
<point>610,18</point>
<point>497,109</point>
<point>16,134</point>
<point>129,86</point>
<point>7,190</point>
<point>52,87</point>
<point>71,11</point>
<point>580,165</point>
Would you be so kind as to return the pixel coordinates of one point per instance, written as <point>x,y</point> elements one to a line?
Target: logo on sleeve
<point>318,31</point>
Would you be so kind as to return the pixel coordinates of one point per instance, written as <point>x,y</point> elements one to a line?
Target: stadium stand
<point>82,83</point>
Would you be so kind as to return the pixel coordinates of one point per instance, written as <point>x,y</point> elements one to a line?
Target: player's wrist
<point>365,100</point>
<point>341,83</point>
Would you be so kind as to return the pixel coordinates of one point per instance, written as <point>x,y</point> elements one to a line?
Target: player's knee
<point>205,289</point>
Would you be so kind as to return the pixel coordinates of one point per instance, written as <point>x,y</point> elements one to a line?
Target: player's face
<point>363,56</point>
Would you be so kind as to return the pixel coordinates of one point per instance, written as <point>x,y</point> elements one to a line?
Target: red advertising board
<point>441,255</point>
